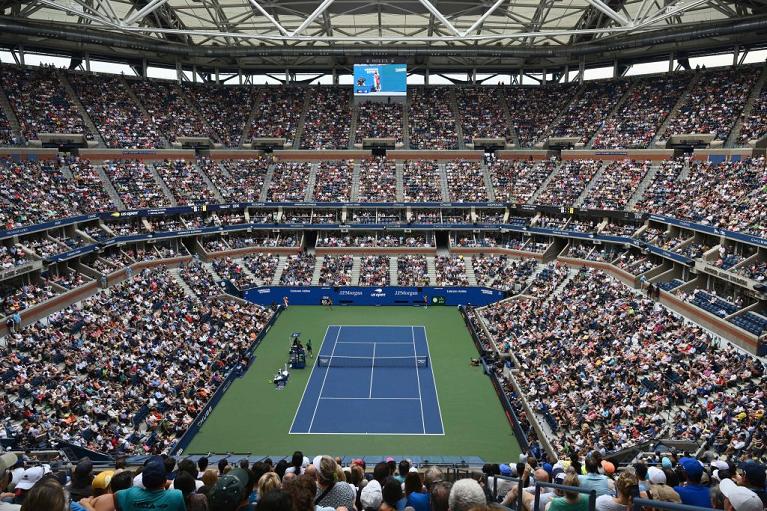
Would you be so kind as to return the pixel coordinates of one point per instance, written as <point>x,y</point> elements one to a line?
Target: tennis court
<point>371,380</point>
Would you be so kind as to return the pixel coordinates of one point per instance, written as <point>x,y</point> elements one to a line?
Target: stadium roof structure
<point>441,35</point>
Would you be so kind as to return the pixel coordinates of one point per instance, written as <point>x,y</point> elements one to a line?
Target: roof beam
<point>146,10</point>
<point>268,16</point>
<point>442,19</point>
<point>482,18</point>
<point>313,16</point>
<point>604,8</point>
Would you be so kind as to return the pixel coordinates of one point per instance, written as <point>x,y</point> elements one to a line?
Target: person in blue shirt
<point>693,493</point>
<point>416,498</point>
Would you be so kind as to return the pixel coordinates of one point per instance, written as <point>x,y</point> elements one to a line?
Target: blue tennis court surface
<point>371,380</point>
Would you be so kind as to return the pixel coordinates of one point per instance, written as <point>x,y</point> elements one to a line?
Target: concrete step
<point>614,111</point>
<point>209,183</point>
<point>431,270</point>
<point>489,181</point>
<point>443,182</point>
<point>356,264</point>
<point>7,109</point>
<point>267,183</point>
<point>312,181</point>
<point>244,136</point>
<point>283,262</point>
<point>470,275</point>
<point>353,126</point>
<point>187,290</point>
<point>142,107</point>
<point>163,186</point>
<point>393,278</point>
<point>399,171</point>
<point>72,96</point>
<point>639,192</point>
<point>507,116</point>
<point>302,119</point>
<point>356,181</point>
<point>544,184</point>
<point>591,185</point>
<point>732,139</point>
<point>674,111</point>
<point>453,101</point>
<point>109,187</point>
<point>317,270</point>
<point>406,123</point>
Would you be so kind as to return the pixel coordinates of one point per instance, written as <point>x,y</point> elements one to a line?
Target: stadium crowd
<point>328,119</point>
<point>431,119</point>
<point>169,354</point>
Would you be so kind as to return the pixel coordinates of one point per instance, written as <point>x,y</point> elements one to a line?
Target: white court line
<point>324,379</point>
<point>371,434</point>
<point>370,342</point>
<point>372,370</point>
<point>418,377</point>
<point>433,379</point>
<point>374,398</point>
<point>310,378</point>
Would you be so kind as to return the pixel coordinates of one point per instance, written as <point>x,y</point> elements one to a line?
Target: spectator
<point>739,498</point>
<point>693,493</point>
<point>330,491</point>
<point>658,489</point>
<point>231,491</point>
<point>47,494</point>
<point>570,500</point>
<point>153,492</point>
<point>465,495</point>
<point>626,490</point>
<point>593,480</point>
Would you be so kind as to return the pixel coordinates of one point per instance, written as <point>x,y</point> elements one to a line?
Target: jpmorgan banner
<point>385,295</point>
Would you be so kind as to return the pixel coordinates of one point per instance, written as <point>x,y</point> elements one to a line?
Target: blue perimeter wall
<point>359,295</point>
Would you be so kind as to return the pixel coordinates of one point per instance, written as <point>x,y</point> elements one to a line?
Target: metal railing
<point>538,486</point>
<point>639,503</point>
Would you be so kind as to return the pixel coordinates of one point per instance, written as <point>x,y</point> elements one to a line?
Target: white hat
<point>315,461</point>
<point>720,465</point>
<point>30,477</point>
<point>741,498</point>
<point>371,495</point>
<point>7,460</point>
<point>656,475</point>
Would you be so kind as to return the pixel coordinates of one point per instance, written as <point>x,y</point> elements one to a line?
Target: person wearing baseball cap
<point>753,476</point>
<point>7,461</point>
<point>739,498</point>
<point>230,491</point>
<point>153,495</point>
<point>693,493</point>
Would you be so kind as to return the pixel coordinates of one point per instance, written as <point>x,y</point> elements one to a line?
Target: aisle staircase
<point>72,96</point>
<point>311,181</point>
<point>732,140</point>
<point>267,183</point>
<point>317,270</point>
<point>431,270</point>
<point>281,264</point>
<point>209,183</point>
<point>175,273</point>
<point>544,184</point>
<point>675,111</point>
<point>486,174</point>
<point>5,106</point>
<point>591,184</point>
<point>643,185</point>
<point>356,181</point>
<point>470,275</point>
<point>445,187</point>
<point>613,112</point>
<point>453,101</point>
<point>163,186</point>
<point>109,187</point>
<point>356,265</point>
<point>302,120</point>
<point>393,273</point>
<point>141,107</point>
